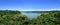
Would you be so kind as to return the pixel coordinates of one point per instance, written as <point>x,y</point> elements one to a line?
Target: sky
<point>30,5</point>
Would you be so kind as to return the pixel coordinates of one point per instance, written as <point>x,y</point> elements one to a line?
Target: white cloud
<point>30,9</point>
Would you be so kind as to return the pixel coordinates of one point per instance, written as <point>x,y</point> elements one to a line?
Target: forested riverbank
<point>10,17</point>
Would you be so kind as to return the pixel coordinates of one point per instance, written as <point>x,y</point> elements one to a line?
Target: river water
<point>31,15</point>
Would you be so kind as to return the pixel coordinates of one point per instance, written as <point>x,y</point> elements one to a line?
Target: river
<point>31,15</point>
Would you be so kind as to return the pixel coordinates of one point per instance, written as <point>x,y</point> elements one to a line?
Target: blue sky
<point>30,5</point>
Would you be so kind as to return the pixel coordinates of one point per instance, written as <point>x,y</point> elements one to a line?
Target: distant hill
<point>39,11</point>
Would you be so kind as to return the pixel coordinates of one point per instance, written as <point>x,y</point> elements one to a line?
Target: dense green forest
<point>10,17</point>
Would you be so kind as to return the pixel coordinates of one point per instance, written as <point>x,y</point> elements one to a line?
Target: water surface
<point>31,15</point>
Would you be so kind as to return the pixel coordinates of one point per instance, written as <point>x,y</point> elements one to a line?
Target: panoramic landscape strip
<point>10,17</point>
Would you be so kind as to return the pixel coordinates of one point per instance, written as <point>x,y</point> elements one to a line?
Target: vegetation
<point>8,17</point>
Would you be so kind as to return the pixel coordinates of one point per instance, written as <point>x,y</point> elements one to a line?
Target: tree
<point>51,18</point>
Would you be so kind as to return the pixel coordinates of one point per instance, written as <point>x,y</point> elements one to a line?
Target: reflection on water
<point>31,15</point>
